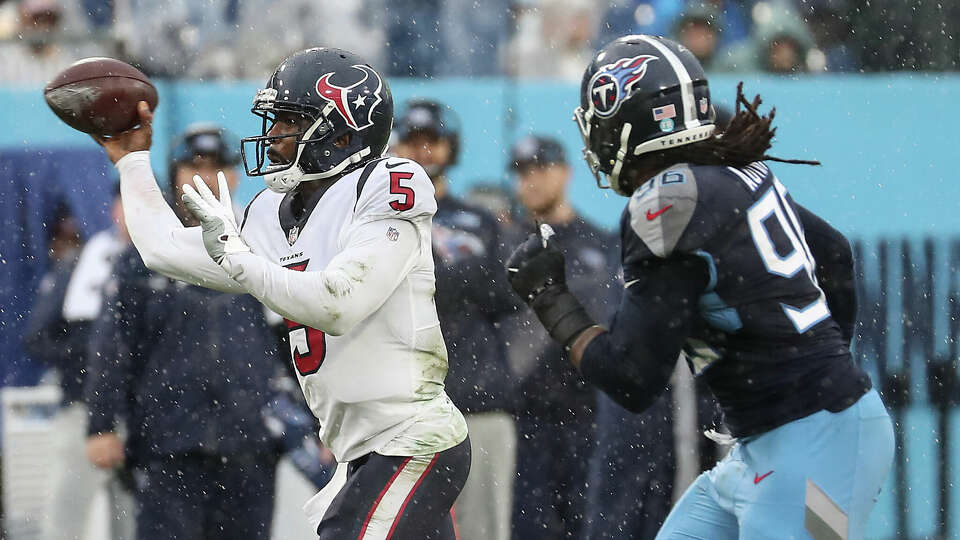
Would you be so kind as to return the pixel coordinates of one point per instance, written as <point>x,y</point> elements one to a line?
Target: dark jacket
<point>551,388</point>
<point>186,368</point>
<point>50,339</point>
<point>69,299</point>
<point>472,294</point>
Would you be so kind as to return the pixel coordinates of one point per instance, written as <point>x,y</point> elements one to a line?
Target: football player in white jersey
<point>340,246</point>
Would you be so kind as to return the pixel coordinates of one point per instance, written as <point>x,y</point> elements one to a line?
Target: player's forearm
<point>632,376</point>
<point>632,362</point>
<point>149,219</point>
<point>165,245</point>
<point>352,286</point>
<point>581,342</point>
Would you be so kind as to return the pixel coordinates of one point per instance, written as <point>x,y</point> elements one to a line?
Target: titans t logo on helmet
<point>611,84</point>
<point>355,102</point>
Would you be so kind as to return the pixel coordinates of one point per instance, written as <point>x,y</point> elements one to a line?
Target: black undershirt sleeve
<point>632,362</point>
<point>834,258</point>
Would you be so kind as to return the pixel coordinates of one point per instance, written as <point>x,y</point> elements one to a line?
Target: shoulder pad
<point>661,208</point>
<point>394,188</point>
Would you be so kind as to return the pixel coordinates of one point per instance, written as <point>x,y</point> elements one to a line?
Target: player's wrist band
<point>561,314</point>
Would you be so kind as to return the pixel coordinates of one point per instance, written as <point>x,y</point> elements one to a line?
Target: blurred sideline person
<point>496,199</point>
<point>33,53</point>
<point>472,294</point>
<point>340,247</point>
<point>556,412</point>
<point>174,367</point>
<point>719,259</point>
<point>70,298</point>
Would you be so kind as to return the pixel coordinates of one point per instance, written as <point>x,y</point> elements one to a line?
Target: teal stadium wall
<point>887,144</point>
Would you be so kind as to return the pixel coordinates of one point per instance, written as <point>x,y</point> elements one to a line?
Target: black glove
<point>532,268</point>
<point>537,272</point>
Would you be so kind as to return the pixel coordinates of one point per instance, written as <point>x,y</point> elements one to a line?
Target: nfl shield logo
<point>392,234</point>
<point>704,105</point>
<point>293,235</point>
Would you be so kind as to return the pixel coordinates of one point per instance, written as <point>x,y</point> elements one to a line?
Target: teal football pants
<point>817,477</point>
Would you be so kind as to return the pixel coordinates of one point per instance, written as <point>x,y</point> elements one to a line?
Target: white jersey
<point>379,386</point>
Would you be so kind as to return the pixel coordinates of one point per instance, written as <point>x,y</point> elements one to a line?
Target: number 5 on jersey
<point>401,205</point>
<point>308,346</point>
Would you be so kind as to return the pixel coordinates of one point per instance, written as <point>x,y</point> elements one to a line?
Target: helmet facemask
<point>317,130</point>
<point>605,158</point>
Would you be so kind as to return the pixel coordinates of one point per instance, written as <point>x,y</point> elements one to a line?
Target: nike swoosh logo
<point>758,478</point>
<point>392,165</point>
<point>654,215</point>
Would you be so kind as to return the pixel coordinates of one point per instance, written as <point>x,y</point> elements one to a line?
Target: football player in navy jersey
<point>719,260</point>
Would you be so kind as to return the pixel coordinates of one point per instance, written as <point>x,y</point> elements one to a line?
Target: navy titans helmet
<point>640,94</point>
<point>339,93</point>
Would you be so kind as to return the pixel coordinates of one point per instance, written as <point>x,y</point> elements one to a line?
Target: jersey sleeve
<point>165,245</point>
<point>355,283</point>
<point>834,270</point>
<point>394,188</point>
<point>632,361</point>
<point>661,210</point>
<point>680,212</point>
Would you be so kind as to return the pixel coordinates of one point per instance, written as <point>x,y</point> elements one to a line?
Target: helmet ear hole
<point>342,141</point>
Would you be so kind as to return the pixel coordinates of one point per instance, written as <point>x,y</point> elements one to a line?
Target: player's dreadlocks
<point>745,140</point>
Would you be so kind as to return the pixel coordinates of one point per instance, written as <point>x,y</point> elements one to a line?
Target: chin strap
<point>284,181</point>
<point>288,179</point>
<point>621,155</point>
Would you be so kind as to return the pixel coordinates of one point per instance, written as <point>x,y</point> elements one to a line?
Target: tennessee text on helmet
<point>640,94</point>
<point>334,93</point>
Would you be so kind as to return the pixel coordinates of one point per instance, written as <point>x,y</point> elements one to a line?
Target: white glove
<point>221,235</point>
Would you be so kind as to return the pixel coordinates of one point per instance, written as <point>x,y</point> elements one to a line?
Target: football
<point>99,95</point>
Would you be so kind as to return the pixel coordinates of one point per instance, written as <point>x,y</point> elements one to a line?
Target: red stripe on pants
<point>426,471</point>
<point>366,522</point>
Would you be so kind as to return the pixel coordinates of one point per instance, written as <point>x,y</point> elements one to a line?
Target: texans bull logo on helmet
<point>611,84</point>
<point>355,102</point>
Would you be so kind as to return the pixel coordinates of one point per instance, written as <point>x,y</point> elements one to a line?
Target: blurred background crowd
<point>552,459</point>
<point>524,39</point>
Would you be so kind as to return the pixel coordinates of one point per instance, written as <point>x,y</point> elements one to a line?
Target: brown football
<point>99,95</point>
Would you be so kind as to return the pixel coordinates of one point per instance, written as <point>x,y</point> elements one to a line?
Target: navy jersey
<point>765,340</point>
